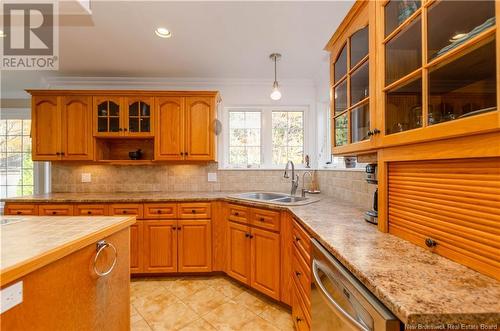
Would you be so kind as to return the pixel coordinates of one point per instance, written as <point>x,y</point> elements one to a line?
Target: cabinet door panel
<point>169,136</point>
<point>108,116</point>
<point>46,128</point>
<point>265,262</point>
<point>238,261</point>
<point>138,121</point>
<point>55,210</point>
<point>136,244</point>
<point>195,246</point>
<point>160,246</point>
<point>77,140</point>
<point>200,137</point>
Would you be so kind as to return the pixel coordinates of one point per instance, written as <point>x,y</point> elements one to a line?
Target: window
<point>265,137</point>
<point>244,138</point>
<point>16,167</point>
<point>288,137</point>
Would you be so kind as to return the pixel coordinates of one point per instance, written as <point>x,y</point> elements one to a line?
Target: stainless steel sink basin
<point>266,196</point>
<point>275,198</point>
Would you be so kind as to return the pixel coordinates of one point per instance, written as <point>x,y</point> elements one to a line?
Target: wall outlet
<point>212,176</point>
<point>11,296</point>
<point>86,177</point>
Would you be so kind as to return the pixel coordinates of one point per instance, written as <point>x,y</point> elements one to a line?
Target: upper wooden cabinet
<point>186,128</point>
<point>104,126</point>
<point>352,72</point>
<point>424,70</point>
<point>61,127</point>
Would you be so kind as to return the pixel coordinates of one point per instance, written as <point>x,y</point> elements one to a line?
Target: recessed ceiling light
<point>2,34</point>
<point>163,33</point>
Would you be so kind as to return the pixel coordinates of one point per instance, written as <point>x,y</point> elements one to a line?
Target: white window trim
<point>266,134</point>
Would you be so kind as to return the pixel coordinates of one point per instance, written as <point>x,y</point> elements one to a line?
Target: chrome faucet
<point>304,190</point>
<point>295,178</point>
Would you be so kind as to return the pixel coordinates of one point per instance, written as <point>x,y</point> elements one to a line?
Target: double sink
<point>275,198</point>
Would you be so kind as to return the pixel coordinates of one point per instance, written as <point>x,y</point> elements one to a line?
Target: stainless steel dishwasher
<point>340,302</point>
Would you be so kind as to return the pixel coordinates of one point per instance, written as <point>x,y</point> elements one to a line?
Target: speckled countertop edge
<point>417,297</point>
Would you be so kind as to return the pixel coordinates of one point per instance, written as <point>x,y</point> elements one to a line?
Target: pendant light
<point>275,94</point>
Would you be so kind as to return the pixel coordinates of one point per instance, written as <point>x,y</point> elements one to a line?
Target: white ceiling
<point>210,40</point>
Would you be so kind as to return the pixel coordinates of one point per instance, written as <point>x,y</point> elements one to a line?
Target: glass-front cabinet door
<point>107,115</point>
<point>439,75</point>
<point>139,118</point>
<point>352,65</point>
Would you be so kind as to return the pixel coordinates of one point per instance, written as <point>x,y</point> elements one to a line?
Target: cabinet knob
<point>124,211</point>
<point>261,219</point>
<point>193,211</point>
<point>369,133</point>
<point>236,214</point>
<point>57,153</point>
<point>298,319</point>
<point>62,153</point>
<point>179,228</point>
<point>54,212</point>
<point>18,212</point>
<point>182,153</point>
<point>89,212</point>
<point>297,273</point>
<point>247,235</point>
<point>125,129</point>
<point>186,153</point>
<point>297,239</point>
<point>376,131</point>
<point>159,211</point>
<point>429,242</point>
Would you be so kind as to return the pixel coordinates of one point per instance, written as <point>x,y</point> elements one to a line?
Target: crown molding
<point>163,83</point>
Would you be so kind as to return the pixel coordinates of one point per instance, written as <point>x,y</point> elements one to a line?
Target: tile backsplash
<point>345,185</point>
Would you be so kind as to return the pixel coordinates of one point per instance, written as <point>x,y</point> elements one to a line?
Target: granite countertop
<point>31,242</point>
<point>419,287</point>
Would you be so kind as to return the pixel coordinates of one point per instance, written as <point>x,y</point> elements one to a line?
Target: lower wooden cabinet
<point>238,252</point>
<point>265,262</point>
<point>299,312</point>
<point>194,246</point>
<point>136,255</point>
<point>254,258</point>
<point>167,246</point>
<point>160,246</point>
<point>55,210</point>
<point>20,209</point>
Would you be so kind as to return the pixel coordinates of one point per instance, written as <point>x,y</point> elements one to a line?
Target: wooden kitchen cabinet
<point>160,246</point>
<point>91,210</point>
<point>200,131</point>
<point>139,118</point>
<point>169,137</point>
<point>55,210</point>
<point>61,128</point>
<point>265,262</point>
<point>194,246</point>
<point>195,210</point>
<point>186,128</point>
<point>160,210</point>
<point>136,247</point>
<point>108,116</point>
<point>238,250</point>
<point>20,209</point>
<point>117,209</point>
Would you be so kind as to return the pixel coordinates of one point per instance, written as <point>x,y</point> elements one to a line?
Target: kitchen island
<point>66,272</point>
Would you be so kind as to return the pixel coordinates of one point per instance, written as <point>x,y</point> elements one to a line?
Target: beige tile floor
<point>202,303</point>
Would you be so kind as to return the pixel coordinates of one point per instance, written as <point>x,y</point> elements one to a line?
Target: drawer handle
<point>89,212</point>
<point>54,212</point>
<point>124,211</point>
<point>236,214</point>
<point>261,219</point>
<point>193,211</point>
<point>298,319</point>
<point>18,212</point>
<point>249,235</point>
<point>429,242</point>
<point>179,228</point>
<point>159,211</point>
<point>297,239</point>
<point>298,274</point>
<point>100,247</point>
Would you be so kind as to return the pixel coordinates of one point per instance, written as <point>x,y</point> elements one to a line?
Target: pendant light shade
<point>275,94</point>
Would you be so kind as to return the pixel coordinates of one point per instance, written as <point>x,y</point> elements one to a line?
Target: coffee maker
<point>371,216</point>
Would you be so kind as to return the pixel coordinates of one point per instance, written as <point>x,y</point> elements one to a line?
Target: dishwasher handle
<point>334,304</point>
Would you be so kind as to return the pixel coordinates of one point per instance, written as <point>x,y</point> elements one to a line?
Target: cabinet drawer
<point>126,209</point>
<point>301,274</point>
<point>92,210</point>
<point>160,210</point>
<point>194,210</point>
<point>300,313</point>
<point>238,214</point>
<point>266,219</point>
<point>55,210</point>
<point>20,209</point>
<point>301,241</point>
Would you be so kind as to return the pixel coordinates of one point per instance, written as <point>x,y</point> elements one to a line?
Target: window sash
<point>266,134</point>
